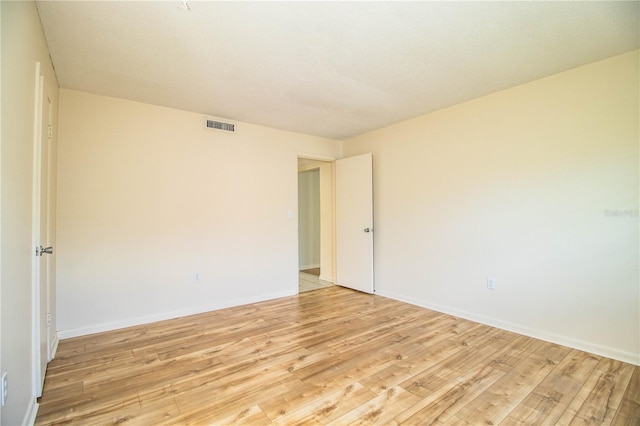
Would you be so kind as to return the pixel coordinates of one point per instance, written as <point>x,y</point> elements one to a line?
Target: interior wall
<point>23,44</point>
<point>536,186</point>
<point>148,198</point>
<point>309,219</point>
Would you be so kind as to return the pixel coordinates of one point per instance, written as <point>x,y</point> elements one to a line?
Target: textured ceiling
<point>333,69</point>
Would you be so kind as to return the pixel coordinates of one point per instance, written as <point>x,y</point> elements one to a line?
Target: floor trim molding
<point>115,325</point>
<point>32,413</point>
<point>54,346</point>
<point>581,345</point>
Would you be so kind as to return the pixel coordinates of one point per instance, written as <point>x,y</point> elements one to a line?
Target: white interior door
<point>42,207</point>
<point>354,223</point>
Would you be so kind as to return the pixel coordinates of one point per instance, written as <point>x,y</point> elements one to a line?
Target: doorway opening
<point>316,246</point>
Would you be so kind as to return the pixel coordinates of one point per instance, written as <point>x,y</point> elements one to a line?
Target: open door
<point>41,227</point>
<point>354,223</point>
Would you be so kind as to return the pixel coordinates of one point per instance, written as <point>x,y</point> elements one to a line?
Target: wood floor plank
<point>318,406</point>
<point>495,404</point>
<point>298,395</point>
<point>331,356</point>
<point>553,395</point>
<point>159,412</point>
<point>206,405</point>
<point>629,411</point>
<point>599,398</point>
<point>380,410</point>
<point>249,416</point>
<point>470,347</point>
<point>471,380</point>
<point>451,397</point>
<point>88,410</point>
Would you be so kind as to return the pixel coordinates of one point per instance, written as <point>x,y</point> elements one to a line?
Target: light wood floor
<point>332,356</point>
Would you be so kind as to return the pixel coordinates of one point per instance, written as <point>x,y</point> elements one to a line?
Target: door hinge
<point>49,319</point>
<point>50,131</point>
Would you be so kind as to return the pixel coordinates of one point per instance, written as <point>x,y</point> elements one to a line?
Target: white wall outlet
<point>491,283</point>
<point>4,388</point>
<point>196,277</point>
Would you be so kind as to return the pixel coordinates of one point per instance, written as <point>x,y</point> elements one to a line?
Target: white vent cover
<point>218,125</point>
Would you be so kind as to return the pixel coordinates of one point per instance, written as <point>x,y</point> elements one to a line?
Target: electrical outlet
<point>4,389</point>
<point>196,277</point>
<point>491,283</point>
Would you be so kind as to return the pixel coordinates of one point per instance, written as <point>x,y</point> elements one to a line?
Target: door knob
<point>43,250</point>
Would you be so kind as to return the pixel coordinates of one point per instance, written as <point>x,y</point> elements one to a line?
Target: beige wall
<point>22,45</point>
<point>535,185</point>
<point>148,197</point>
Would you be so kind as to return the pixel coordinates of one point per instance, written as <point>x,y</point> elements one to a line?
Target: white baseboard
<point>327,278</point>
<point>31,414</point>
<point>115,325</point>
<point>54,346</point>
<point>582,345</point>
<point>303,267</point>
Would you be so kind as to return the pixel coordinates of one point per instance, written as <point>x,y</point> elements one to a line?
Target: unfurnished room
<point>324,213</point>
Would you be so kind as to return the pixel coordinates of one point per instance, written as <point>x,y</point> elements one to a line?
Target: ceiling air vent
<point>218,125</point>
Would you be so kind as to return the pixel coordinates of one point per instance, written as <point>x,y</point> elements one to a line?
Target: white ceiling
<point>333,69</point>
